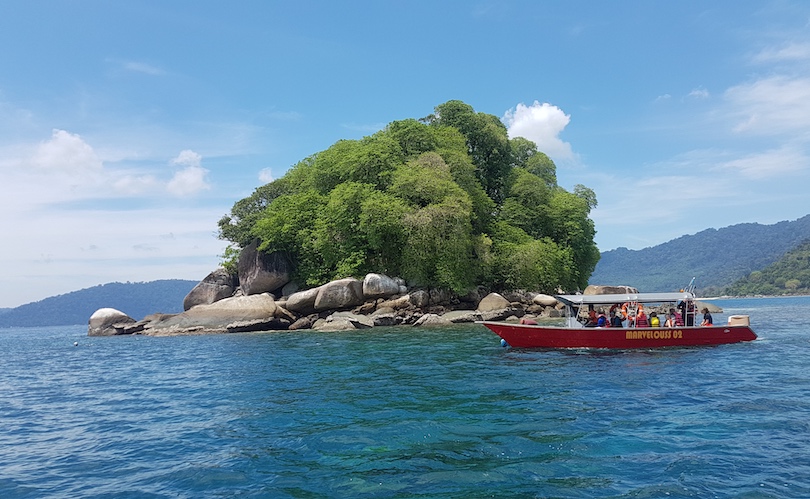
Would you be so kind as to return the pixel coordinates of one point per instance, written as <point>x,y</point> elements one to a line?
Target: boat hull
<point>531,336</point>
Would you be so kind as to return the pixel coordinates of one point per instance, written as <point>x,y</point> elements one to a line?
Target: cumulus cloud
<point>66,152</point>
<point>542,124</point>
<point>191,179</point>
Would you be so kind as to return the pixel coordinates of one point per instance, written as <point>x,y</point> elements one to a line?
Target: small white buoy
<point>504,343</point>
<point>75,343</point>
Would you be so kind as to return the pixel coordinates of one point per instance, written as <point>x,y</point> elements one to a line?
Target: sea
<point>405,412</point>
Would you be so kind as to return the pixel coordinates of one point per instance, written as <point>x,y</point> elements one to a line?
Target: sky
<point>128,129</point>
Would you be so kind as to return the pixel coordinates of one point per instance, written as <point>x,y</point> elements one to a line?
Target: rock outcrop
<point>217,305</point>
<point>378,285</point>
<point>493,301</point>
<point>217,285</point>
<point>242,313</point>
<point>108,322</point>
<point>261,272</point>
<point>340,294</point>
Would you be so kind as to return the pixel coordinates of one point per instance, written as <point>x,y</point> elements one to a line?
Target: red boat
<point>575,334</point>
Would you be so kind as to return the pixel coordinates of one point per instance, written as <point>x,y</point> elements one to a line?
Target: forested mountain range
<point>136,299</point>
<point>790,275</point>
<point>716,258</point>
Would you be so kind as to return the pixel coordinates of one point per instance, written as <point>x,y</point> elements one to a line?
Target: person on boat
<point>707,317</point>
<point>676,317</point>
<point>625,310</point>
<point>688,311</point>
<point>654,320</point>
<point>601,320</point>
<point>615,320</point>
<point>641,319</point>
<point>591,321</point>
<point>670,322</point>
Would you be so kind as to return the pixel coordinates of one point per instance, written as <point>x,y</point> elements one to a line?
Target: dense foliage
<point>790,275</point>
<point>447,201</point>
<point>136,299</point>
<point>715,257</point>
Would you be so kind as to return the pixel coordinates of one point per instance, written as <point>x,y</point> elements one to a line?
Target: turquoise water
<point>405,412</point>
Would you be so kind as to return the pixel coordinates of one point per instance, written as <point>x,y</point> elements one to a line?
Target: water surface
<point>405,412</point>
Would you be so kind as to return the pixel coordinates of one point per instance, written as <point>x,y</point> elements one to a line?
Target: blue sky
<point>127,129</point>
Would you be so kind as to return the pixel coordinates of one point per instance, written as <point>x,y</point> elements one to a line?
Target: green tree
<point>487,142</point>
<point>526,204</point>
<point>571,227</point>
<point>541,165</point>
<point>288,225</point>
<point>449,201</point>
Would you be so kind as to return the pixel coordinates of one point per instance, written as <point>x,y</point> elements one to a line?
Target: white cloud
<point>132,185</point>
<point>141,67</point>
<point>698,93</point>
<point>767,164</point>
<point>266,176</point>
<point>66,153</point>
<point>191,179</point>
<point>790,51</point>
<point>542,124</point>
<point>771,106</point>
<point>188,158</point>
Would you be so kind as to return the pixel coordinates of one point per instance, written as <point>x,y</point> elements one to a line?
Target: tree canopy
<point>790,275</point>
<point>447,201</point>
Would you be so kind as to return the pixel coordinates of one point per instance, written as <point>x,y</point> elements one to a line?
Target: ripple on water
<point>404,412</point>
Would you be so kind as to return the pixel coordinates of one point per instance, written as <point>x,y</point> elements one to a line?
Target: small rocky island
<point>262,298</point>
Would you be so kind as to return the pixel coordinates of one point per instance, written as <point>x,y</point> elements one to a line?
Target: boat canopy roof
<point>624,298</point>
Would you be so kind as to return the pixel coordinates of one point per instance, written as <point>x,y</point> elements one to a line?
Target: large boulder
<point>400,303</point>
<point>340,294</point>
<point>544,300</point>
<point>432,320</point>
<point>108,322</point>
<point>420,298</point>
<point>261,272</point>
<point>221,316</point>
<point>379,286</point>
<point>302,302</point>
<point>217,285</point>
<point>493,301</point>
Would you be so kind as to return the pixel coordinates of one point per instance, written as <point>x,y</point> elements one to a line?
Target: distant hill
<point>715,257</point>
<point>136,299</point>
<point>790,275</point>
